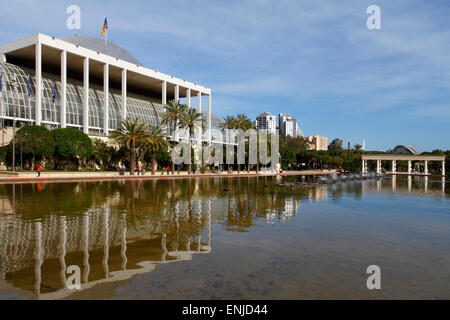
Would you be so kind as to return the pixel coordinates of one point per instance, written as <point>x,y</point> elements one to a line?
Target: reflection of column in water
<point>409,183</point>
<point>164,247</point>
<point>379,185</point>
<point>426,184</point>
<point>123,252</point>
<point>208,223</point>
<point>38,256</point>
<point>394,182</point>
<point>443,185</point>
<point>62,249</point>
<point>106,243</point>
<point>177,210</point>
<point>86,265</point>
<point>199,218</point>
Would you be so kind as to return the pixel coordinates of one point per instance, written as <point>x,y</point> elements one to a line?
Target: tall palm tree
<point>157,139</point>
<point>243,123</point>
<point>190,119</point>
<point>172,116</point>
<point>131,133</point>
<point>230,124</point>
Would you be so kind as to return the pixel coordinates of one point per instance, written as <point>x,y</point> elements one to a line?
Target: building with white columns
<point>70,82</point>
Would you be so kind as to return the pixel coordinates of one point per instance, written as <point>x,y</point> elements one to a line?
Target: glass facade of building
<point>20,104</point>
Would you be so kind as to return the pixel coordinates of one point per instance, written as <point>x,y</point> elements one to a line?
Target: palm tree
<point>130,133</point>
<point>243,123</point>
<point>172,115</point>
<point>190,119</point>
<point>230,124</point>
<point>158,141</point>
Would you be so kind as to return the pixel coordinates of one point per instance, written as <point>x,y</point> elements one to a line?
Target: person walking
<point>123,170</point>
<point>138,168</point>
<point>38,170</point>
<point>168,170</point>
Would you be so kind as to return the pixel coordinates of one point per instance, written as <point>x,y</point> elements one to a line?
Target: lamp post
<point>14,84</point>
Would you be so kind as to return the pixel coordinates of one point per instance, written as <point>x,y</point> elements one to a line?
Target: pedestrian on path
<point>123,170</point>
<point>168,170</point>
<point>38,170</point>
<point>138,168</point>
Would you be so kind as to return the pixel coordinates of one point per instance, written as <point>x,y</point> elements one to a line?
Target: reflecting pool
<point>226,238</point>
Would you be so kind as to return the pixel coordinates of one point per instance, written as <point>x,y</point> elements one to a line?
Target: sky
<point>314,59</point>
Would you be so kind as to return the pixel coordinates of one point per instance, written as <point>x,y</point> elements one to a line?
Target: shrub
<point>71,145</point>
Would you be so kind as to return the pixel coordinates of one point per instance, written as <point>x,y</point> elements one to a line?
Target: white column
<point>86,95</point>
<point>378,166</point>
<point>425,166</point>
<point>208,126</point>
<point>199,110</point>
<point>106,98</point>
<point>63,88</point>
<point>188,97</point>
<point>177,93</point>
<point>443,168</point>
<point>362,166</point>
<point>164,93</point>
<point>409,167</point>
<point>124,94</point>
<point>38,70</point>
<point>394,166</point>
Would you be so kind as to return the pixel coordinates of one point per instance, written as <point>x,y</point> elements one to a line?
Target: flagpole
<point>106,41</point>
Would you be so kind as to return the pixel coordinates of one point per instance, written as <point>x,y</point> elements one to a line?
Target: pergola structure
<point>401,157</point>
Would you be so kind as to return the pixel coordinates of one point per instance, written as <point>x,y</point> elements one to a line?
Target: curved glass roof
<point>406,149</point>
<point>98,44</point>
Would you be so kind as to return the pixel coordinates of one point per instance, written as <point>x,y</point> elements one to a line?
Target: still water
<point>226,238</point>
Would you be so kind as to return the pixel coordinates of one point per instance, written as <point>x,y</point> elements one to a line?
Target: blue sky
<point>315,59</point>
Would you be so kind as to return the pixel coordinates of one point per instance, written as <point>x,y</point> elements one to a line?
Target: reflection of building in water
<point>107,246</point>
<point>286,212</point>
<point>407,185</point>
<point>318,194</point>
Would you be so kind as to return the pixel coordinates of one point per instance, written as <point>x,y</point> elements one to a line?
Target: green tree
<point>297,144</point>
<point>72,144</point>
<point>131,133</point>
<point>243,123</point>
<point>189,119</point>
<point>357,147</point>
<point>335,147</point>
<point>158,142</point>
<point>36,142</point>
<point>172,115</point>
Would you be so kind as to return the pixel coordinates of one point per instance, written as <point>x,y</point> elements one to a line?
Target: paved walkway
<point>8,177</point>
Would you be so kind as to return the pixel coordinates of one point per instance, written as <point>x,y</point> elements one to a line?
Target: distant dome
<point>406,149</point>
<point>98,44</point>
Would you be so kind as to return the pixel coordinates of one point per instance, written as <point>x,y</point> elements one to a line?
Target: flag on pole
<point>53,93</point>
<point>105,26</point>
<point>29,85</point>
